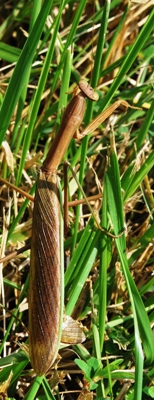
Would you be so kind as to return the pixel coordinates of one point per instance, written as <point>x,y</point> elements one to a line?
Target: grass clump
<point>45,48</point>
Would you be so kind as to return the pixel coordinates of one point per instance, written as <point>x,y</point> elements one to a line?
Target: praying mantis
<point>46,271</point>
<point>45,293</point>
<point>46,285</point>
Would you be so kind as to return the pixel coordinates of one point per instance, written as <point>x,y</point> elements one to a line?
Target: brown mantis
<point>46,287</point>
<point>45,294</point>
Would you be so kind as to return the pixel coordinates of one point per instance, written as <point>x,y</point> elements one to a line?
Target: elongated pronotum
<point>45,298</point>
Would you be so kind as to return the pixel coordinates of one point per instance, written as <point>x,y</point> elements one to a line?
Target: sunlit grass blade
<point>65,84</point>
<point>9,53</point>
<point>21,70</point>
<point>105,258</point>
<point>37,97</point>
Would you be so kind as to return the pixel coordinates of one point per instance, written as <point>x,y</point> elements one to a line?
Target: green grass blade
<point>9,53</point>
<point>37,4</point>
<point>70,38</point>
<point>64,85</point>
<point>128,61</point>
<point>21,70</point>
<point>105,258</point>
<point>37,98</point>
